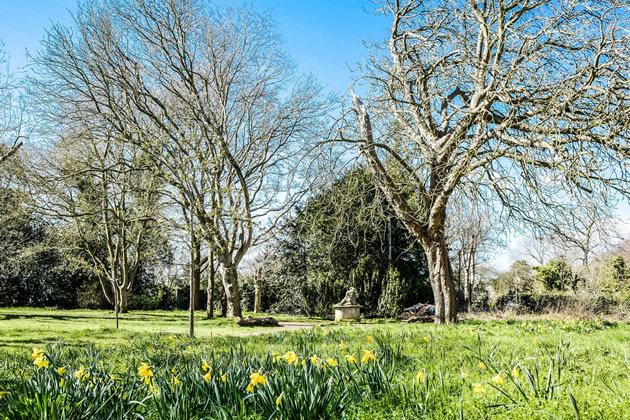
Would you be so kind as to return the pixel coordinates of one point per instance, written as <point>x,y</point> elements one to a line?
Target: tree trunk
<point>223,302</point>
<point>232,292</point>
<point>257,291</point>
<point>123,294</point>
<point>441,276</point>
<point>196,274</point>
<point>194,256</point>
<point>210,288</point>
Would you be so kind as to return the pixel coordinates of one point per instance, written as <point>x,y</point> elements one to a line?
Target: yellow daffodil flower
<point>257,378</point>
<point>479,389</point>
<point>279,399</point>
<point>207,377</point>
<point>223,378</point>
<point>145,372</point>
<point>62,382</point>
<point>498,379</point>
<point>331,362</point>
<point>81,374</point>
<point>367,356</point>
<point>420,376</point>
<point>290,357</point>
<point>350,358</point>
<point>342,346</point>
<point>370,339</point>
<point>516,372</point>
<point>250,388</point>
<point>427,339</point>
<point>41,362</point>
<point>61,370</point>
<point>481,365</point>
<point>176,381</point>
<point>205,366</point>
<point>37,353</point>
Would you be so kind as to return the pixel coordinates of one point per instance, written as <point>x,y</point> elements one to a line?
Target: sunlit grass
<point>24,327</point>
<point>511,369</point>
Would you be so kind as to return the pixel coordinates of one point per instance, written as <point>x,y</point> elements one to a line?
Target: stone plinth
<point>347,312</point>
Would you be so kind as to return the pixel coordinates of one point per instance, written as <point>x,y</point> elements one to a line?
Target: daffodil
<point>257,379</point>
<point>205,366</point>
<point>174,370</point>
<point>290,357</point>
<point>367,356</point>
<point>464,375</point>
<point>61,370</point>
<point>427,339</point>
<point>176,381</point>
<point>207,377</point>
<point>223,377</point>
<point>145,372</point>
<point>315,360</point>
<point>479,389</point>
<point>420,376</point>
<point>516,372</point>
<point>124,396</point>
<point>62,382</point>
<point>342,346</point>
<point>331,362</point>
<point>370,339</point>
<point>498,379</point>
<point>481,365</point>
<point>350,358</point>
<point>303,362</point>
<point>41,362</point>
<point>279,399</point>
<point>250,388</point>
<point>81,374</point>
<point>37,353</point>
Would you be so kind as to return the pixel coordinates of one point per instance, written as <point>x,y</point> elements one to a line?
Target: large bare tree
<point>209,95</point>
<point>523,103</point>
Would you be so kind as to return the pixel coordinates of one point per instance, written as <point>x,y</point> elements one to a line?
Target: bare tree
<point>472,233</point>
<point>104,189</point>
<point>12,111</point>
<point>210,96</point>
<point>522,103</point>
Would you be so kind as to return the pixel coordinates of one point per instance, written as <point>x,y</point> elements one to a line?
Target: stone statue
<point>349,299</point>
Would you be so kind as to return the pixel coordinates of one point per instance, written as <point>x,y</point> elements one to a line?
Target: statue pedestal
<point>347,312</point>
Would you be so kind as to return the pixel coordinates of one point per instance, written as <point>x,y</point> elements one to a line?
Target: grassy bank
<point>477,369</point>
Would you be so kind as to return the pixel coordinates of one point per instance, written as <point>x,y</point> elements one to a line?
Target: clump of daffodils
<point>39,358</point>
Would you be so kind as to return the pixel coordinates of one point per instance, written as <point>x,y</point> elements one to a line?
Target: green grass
<point>23,328</point>
<point>566,370</point>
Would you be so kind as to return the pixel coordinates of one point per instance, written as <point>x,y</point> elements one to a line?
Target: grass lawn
<point>507,369</point>
<point>23,328</point>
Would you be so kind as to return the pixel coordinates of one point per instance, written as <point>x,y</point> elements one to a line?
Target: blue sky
<point>325,37</point>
